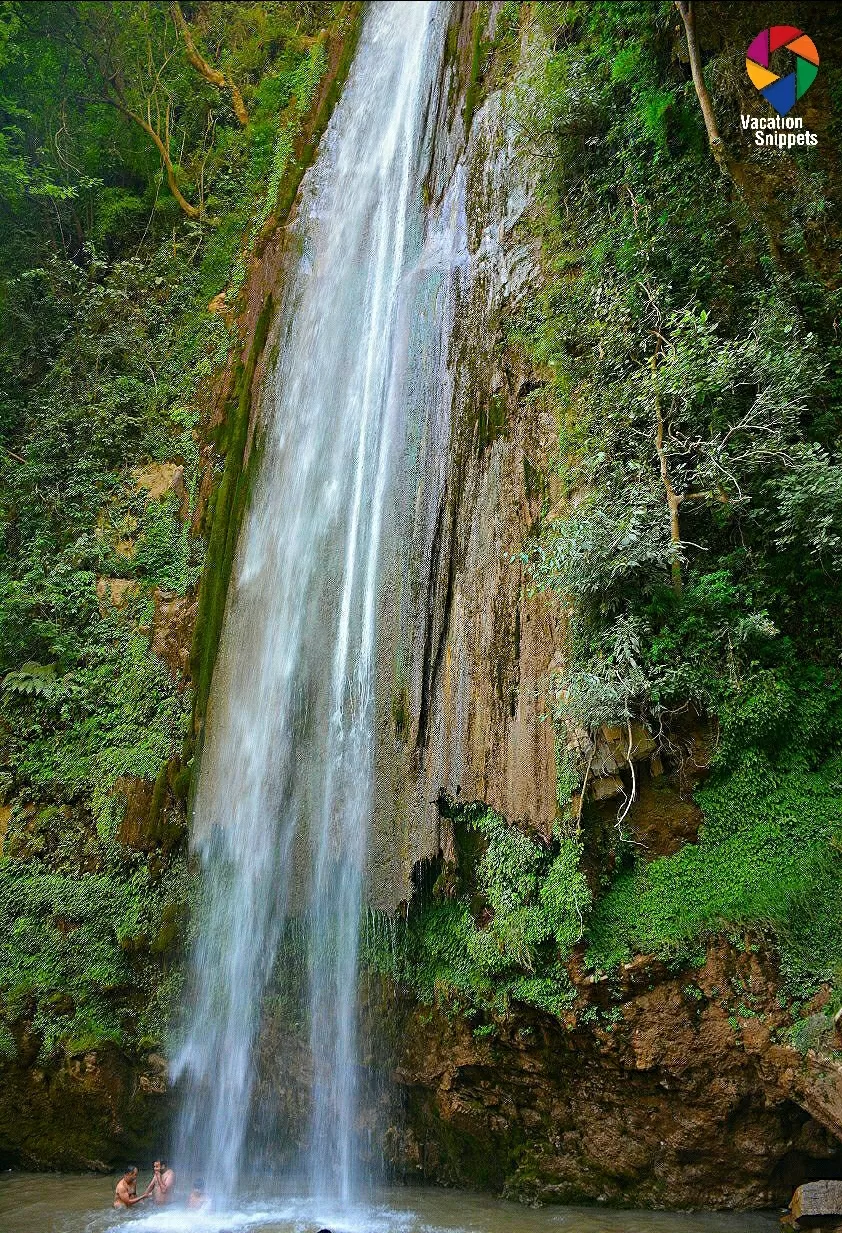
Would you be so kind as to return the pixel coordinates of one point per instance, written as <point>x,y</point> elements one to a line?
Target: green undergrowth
<point>769,851</point>
<point>88,957</point>
<point>498,924</point>
<point>110,354</point>
<point>495,925</point>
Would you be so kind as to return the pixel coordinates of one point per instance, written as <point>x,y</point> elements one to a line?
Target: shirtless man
<point>198,1199</point>
<point>125,1194</point>
<point>162,1186</point>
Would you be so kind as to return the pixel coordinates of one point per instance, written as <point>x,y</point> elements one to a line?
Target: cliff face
<point>666,1082</point>
<point>673,1078</point>
<point>469,647</point>
<point>675,1102</point>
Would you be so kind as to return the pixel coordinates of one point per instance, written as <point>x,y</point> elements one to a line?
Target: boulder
<point>816,1203</point>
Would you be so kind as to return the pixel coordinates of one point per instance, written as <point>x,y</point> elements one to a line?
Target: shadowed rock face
<point>467,649</point>
<point>649,1093</point>
<point>91,1112</point>
<point>673,1104</point>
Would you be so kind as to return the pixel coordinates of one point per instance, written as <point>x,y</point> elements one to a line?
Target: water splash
<point>286,778</point>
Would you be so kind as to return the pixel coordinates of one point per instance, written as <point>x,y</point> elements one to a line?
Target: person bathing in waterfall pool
<point>198,1199</point>
<point>125,1194</point>
<point>162,1186</point>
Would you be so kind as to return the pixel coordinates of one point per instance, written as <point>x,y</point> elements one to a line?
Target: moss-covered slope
<point>128,359</point>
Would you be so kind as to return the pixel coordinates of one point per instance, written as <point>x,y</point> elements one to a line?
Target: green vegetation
<point>86,963</point>
<point>133,188</point>
<point>229,501</point>
<point>769,849</point>
<point>687,333</point>
<point>494,925</point>
<point>686,337</point>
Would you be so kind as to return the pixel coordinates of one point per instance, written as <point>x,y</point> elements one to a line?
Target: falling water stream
<point>285,790</point>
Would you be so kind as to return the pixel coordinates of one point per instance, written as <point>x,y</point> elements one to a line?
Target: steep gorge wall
<point>655,1087</point>
<point>664,1084</point>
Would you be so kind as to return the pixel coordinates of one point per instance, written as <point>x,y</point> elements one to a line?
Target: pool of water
<point>70,1203</point>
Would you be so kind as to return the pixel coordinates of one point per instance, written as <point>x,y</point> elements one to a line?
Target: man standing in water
<point>125,1194</point>
<point>162,1186</point>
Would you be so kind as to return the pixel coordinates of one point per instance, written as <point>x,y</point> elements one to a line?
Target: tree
<point>131,52</point>
<point>200,64</point>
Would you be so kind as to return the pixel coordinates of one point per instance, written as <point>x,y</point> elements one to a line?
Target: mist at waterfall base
<point>284,795</point>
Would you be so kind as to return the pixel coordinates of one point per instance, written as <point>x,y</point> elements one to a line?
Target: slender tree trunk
<point>200,64</point>
<point>685,8</point>
<point>190,210</point>
<point>674,498</point>
<point>730,166</point>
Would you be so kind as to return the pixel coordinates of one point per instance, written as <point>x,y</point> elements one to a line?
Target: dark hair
<point>129,1169</point>
<point>198,1183</point>
<point>163,1162</point>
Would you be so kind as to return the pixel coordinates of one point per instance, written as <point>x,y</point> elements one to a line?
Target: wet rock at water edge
<point>816,1205</point>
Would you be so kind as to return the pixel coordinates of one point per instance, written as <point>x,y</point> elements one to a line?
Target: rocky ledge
<point>653,1093</point>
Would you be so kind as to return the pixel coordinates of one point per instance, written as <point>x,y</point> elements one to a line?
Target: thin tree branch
<point>190,210</point>
<point>200,64</point>
<point>732,167</point>
<point>584,788</point>
<point>673,498</point>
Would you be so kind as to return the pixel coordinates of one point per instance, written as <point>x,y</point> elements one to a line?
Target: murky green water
<point>56,1203</point>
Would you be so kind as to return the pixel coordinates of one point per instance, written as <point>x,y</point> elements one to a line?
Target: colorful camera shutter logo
<point>782,92</point>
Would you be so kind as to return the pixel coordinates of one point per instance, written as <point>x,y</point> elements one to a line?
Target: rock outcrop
<point>652,1094</point>
<point>94,1111</point>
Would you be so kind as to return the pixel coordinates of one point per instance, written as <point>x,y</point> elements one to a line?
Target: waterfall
<point>284,796</point>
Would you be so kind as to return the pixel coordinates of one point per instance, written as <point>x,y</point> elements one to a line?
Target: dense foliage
<point>493,925</point>
<point>687,336</point>
<point>689,322</point>
<point>131,193</point>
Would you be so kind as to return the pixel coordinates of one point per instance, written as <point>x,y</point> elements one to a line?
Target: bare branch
<point>673,499</point>
<point>163,149</point>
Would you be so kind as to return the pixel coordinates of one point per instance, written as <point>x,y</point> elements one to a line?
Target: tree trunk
<point>190,210</point>
<point>731,167</point>
<point>200,64</point>
<point>685,8</point>
<point>674,498</point>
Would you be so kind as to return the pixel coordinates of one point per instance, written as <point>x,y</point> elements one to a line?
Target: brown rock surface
<point>673,1103</point>
<point>116,590</point>
<point>172,630</point>
<point>93,1110</point>
<point>159,478</point>
<point>469,647</point>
